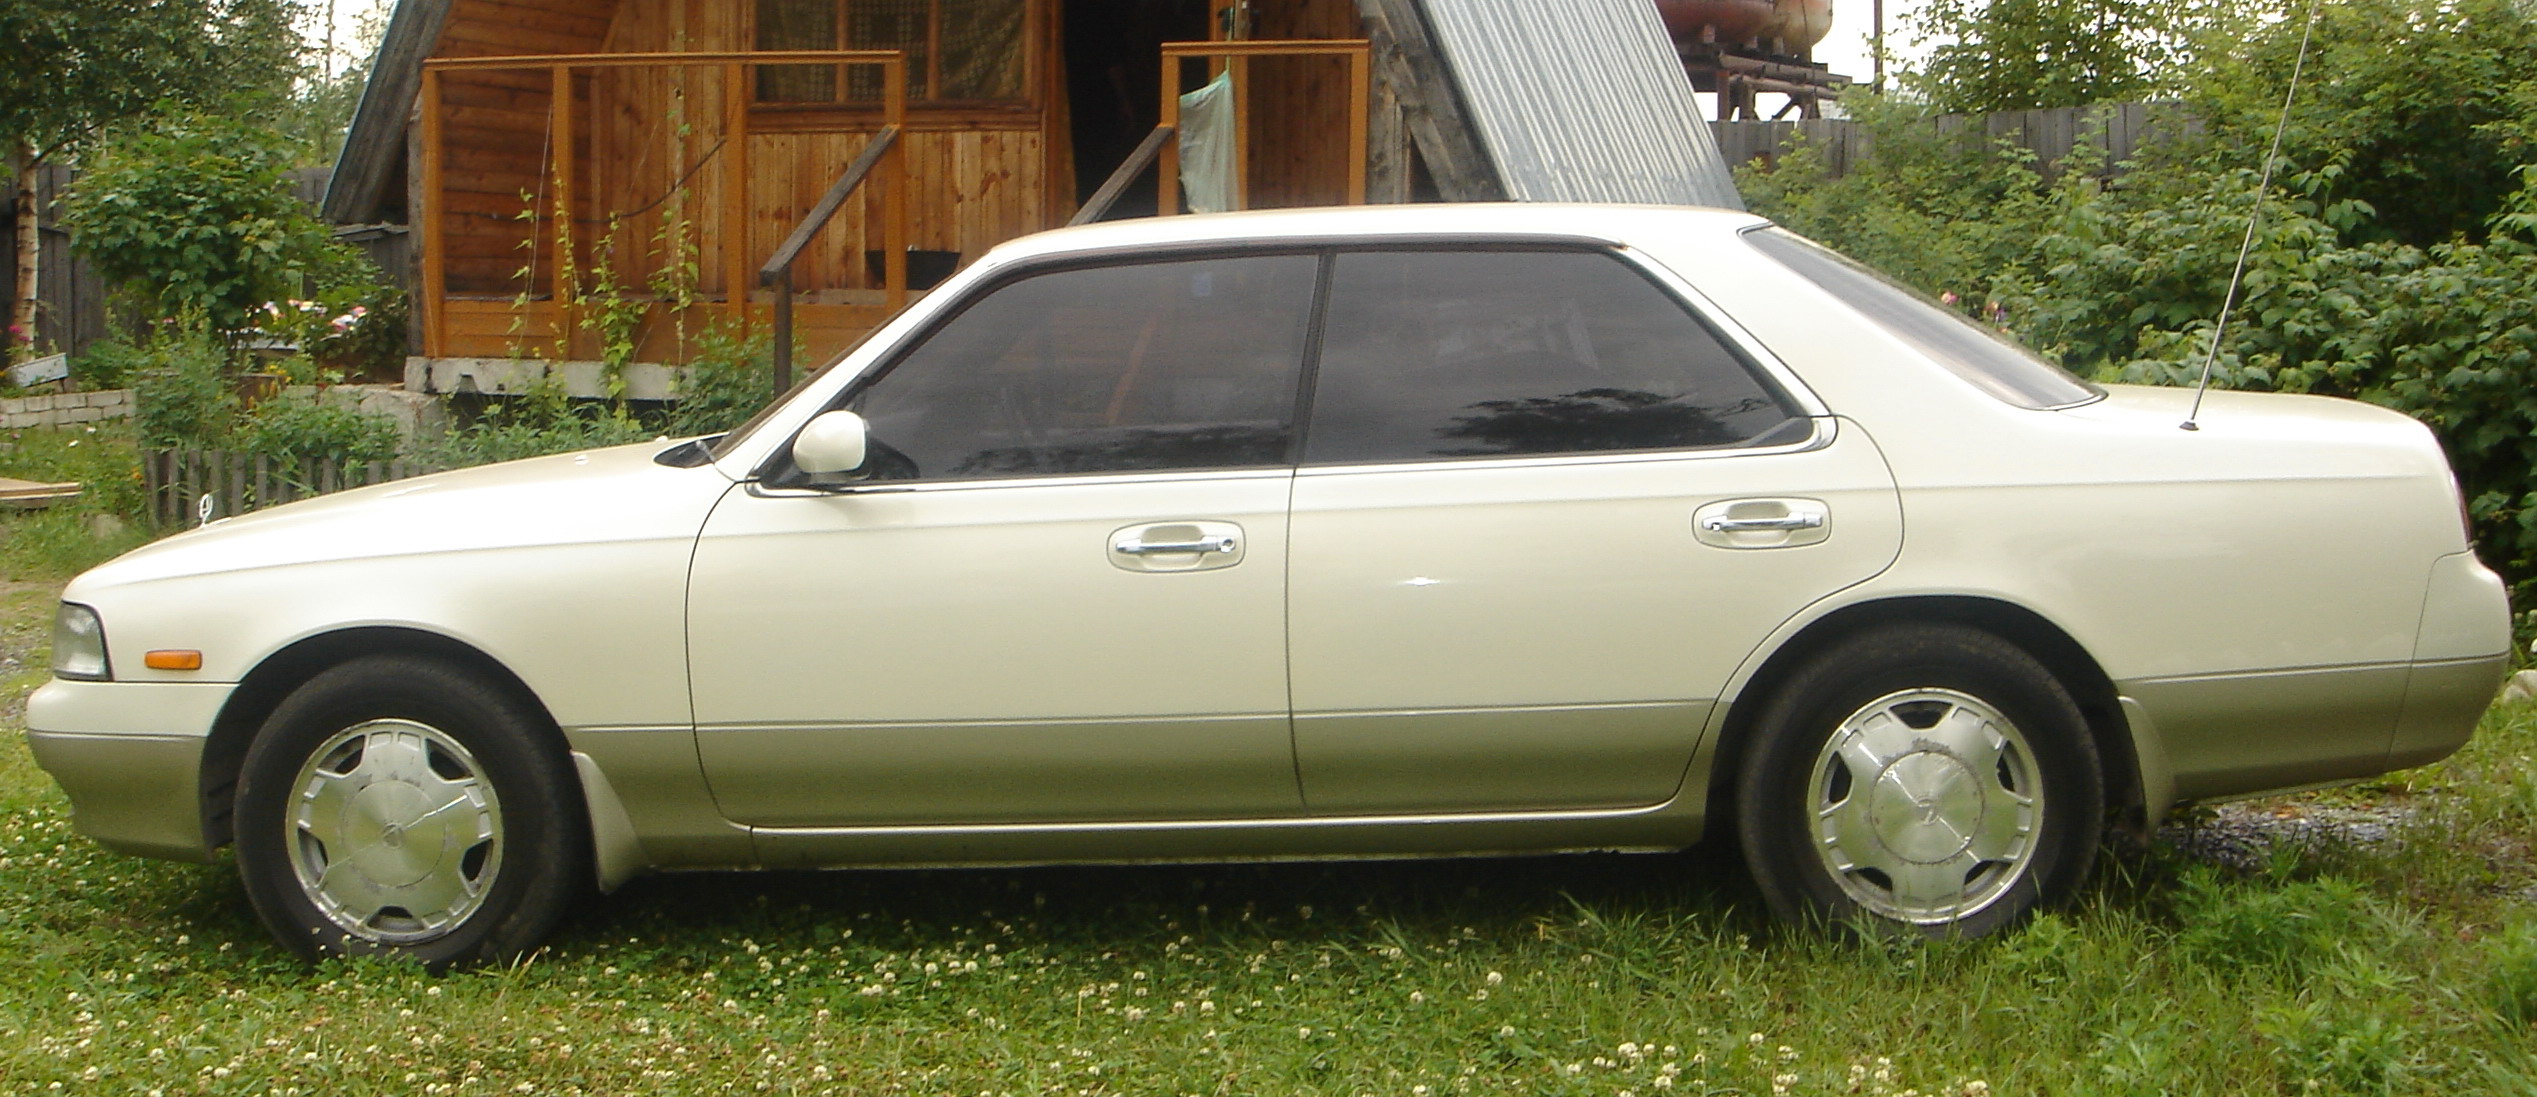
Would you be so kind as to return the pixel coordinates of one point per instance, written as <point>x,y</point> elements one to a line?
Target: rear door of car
<point>1546,506</point>
<point>1061,596</point>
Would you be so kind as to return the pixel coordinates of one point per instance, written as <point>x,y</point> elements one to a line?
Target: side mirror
<point>835,442</point>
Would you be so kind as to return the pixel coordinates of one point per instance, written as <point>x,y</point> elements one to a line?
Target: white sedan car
<point>1329,533</point>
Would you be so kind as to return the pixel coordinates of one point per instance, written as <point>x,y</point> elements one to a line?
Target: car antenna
<point>2254,217</point>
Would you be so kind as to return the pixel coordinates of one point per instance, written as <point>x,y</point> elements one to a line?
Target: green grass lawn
<point>2404,966</point>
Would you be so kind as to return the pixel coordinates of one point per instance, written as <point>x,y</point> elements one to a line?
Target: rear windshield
<point>1974,352</point>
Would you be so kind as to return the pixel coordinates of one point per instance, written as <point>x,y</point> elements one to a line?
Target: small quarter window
<point>1445,354</point>
<point>1990,360</point>
<point>1191,364</point>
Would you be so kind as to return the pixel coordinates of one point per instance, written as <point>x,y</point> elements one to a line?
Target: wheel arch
<point>273,679</point>
<point>2109,732</point>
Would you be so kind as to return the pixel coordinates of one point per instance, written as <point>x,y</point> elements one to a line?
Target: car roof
<point>1425,221</point>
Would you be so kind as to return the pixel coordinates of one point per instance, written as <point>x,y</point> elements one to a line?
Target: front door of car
<point>1056,595</point>
<point>1544,511</point>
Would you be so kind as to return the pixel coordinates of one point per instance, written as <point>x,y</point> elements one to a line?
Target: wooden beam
<point>1407,59</point>
<point>564,273</point>
<point>434,223</point>
<point>1135,165</point>
<point>1360,120</point>
<point>735,191</point>
<point>894,205</point>
<point>650,60</point>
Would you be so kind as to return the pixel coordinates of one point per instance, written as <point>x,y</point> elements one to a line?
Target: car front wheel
<point>403,806</point>
<point>1928,777</point>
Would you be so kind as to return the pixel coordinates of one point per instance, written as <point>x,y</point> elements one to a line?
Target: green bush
<point>542,420</point>
<point>306,426</point>
<point>728,380</point>
<point>184,395</point>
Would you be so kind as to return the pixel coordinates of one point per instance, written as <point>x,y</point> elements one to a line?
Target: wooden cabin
<point>609,179</point>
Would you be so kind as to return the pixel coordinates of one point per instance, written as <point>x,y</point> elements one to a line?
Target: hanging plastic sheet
<point>1207,137</point>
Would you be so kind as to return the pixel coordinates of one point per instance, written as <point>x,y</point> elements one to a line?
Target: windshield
<point>1976,353</point>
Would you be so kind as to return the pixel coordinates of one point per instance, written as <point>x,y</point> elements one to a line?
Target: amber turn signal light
<point>173,660</point>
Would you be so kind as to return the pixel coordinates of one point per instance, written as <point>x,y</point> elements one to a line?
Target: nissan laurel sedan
<point>1326,533</point>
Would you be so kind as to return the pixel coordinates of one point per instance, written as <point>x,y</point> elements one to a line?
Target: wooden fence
<point>178,481</point>
<point>2122,129</point>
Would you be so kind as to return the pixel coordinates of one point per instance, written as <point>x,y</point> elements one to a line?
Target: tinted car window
<point>1442,354</point>
<point>1180,365</point>
<point>1976,353</point>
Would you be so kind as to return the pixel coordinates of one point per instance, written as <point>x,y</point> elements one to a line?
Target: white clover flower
<point>1494,978</point>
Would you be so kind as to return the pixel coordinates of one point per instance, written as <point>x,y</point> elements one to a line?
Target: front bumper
<point>130,756</point>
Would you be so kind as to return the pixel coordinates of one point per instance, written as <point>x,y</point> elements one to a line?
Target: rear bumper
<point>130,757</point>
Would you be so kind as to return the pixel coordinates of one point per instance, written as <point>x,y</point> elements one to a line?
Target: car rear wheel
<point>1924,777</point>
<point>400,805</point>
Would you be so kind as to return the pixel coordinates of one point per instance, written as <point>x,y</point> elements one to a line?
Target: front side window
<point>1443,354</point>
<point>1184,365</point>
<point>959,52</point>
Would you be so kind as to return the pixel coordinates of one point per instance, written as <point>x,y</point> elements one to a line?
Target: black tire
<point>1969,739</point>
<point>469,845</point>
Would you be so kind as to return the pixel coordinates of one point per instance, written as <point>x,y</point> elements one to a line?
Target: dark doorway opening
<point>1114,73</point>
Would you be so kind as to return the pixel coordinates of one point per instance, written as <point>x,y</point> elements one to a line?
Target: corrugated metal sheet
<point>1581,101</point>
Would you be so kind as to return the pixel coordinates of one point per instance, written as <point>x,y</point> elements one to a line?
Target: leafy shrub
<point>306,426</point>
<point>184,395</point>
<point>728,380</point>
<point>542,420</point>
<point>193,213</point>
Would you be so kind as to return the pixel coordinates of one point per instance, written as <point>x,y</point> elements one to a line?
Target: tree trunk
<point>21,344</point>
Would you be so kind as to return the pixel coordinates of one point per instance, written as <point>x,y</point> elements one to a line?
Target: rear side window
<point>1985,357</point>
<point>1443,354</point>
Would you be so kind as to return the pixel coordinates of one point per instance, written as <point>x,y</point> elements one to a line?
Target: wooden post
<point>1360,120</point>
<point>566,272</point>
<point>1241,70</point>
<point>1167,169</point>
<point>735,211</point>
<point>433,223</point>
<point>894,237</point>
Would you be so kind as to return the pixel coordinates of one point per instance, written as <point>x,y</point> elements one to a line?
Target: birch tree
<point>70,69</point>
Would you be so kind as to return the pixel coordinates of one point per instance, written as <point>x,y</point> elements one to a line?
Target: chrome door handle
<point>1719,523</point>
<point>1133,546</point>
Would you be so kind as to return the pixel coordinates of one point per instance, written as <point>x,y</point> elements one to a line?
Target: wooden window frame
<point>1021,112</point>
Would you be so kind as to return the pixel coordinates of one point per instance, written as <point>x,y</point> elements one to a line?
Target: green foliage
<point>194,214</point>
<point>1993,55</point>
<point>2280,928</point>
<point>2510,975</point>
<point>541,421</point>
<point>2340,1047</point>
<point>183,392</point>
<point>2416,102</point>
<point>307,426</point>
<point>72,68</point>
<point>728,380</point>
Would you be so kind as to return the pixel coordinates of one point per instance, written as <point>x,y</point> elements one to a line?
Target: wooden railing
<point>778,271</point>
<point>735,148</point>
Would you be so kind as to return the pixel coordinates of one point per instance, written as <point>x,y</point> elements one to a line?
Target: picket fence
<point>183,483</point>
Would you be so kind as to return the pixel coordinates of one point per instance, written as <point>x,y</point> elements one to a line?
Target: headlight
<point>79,644</point>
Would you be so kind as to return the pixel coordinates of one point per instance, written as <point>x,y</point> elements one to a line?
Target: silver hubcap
<point>394,832</point>
<point>1926,805</point>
